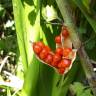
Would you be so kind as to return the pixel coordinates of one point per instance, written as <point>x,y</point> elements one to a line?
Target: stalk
<point>64,8</point>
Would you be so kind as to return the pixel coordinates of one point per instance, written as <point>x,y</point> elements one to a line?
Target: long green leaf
<point>19,22</point>
<point>27,20</point>
<point>87,14</point>
<point>27,28</point>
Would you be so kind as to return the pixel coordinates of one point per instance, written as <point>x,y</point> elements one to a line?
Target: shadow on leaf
<point>32,17</point>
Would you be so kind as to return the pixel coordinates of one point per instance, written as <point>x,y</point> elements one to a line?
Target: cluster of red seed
<point>64,33</point>
<point>59,59</point>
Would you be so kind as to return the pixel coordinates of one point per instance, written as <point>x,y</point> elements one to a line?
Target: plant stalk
<point>65,10</point>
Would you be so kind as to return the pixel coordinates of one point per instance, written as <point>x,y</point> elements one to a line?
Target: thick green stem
<point>87,66</point>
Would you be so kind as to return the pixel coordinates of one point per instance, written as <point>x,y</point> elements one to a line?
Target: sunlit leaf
<point>49,13</point>
<point>86,4</point>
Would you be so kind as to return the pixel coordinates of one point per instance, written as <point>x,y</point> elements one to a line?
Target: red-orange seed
<point>66,51</point>
<point>64,63</point>
<point>44,52</point>
<point>59,51</point>
<point>41,44</point>
<point>61,70</point>
<point>56,59</point>
<point>37,49</point>
<point>49,58</point>
<point>47,48</point>
<point>65,32</point>
<point>58,39</point>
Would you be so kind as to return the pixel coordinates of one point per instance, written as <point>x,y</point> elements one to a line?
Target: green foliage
<point>9,44</point>
<point>8,92</point>
<point>86,4</point>
<point>80,90</point>
<point>89,16</point>
<point>87,25</point>
<point>2,11</point>
<point>91,44</point>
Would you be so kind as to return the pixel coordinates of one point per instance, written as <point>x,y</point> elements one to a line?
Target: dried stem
<point>3,63</point>
<point>85,61</point>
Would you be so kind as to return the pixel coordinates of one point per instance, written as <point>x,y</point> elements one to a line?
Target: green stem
<point>87,66</point>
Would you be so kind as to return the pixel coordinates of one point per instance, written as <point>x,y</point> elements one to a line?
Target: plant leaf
<point>88,15</point>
